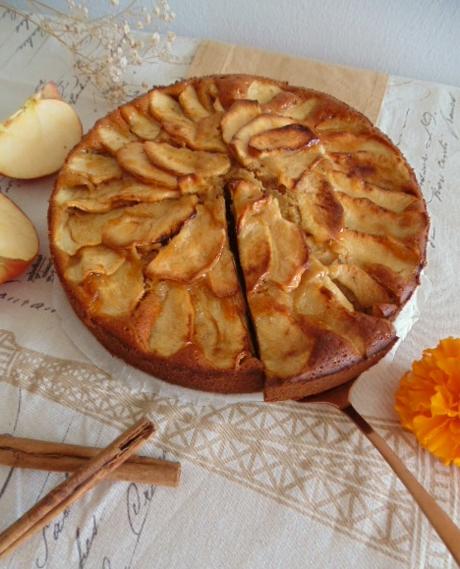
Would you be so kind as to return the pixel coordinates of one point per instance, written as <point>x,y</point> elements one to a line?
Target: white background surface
<point>412,38</point>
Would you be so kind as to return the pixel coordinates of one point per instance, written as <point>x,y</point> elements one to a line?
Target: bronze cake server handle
<point>339,397</point>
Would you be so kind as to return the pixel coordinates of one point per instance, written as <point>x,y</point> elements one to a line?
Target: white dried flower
<point>103,49</point>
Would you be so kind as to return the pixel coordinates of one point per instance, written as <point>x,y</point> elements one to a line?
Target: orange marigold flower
<point>428,400</point>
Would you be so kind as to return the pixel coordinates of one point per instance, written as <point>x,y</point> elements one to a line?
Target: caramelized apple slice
<point>95,168</point>
<point>148,223</point>
<point>271,247</point>
<point>302,110</point>
<point>86,228</point>
<point>194,251</point>
<point>142,125</point>
<point>366,292</point>
<point>238,87</point>
<point>321,213</point>
<point>168,111</point>
<point>330,116</point>
<point>114,133</point>
<point>361,249</point>
<point>62,237</point>
<point>318,302</point>
<point>289,253</point>
<point>399,286</point>
<point>367,217</point>
<point>112,194</point>
<point>222,278</point>
<point>191,104</point>
<point>203,135</point>
<point>185,161</point>
<point>192,184</point>
<point>134,159</point>
<point>207,93</point>
<point>254,243</point>
<point>238,115</point>
<point>346,142</point>
<point>93,260</point>
<point>371,157</point>
<point>173,325</point>
<point>319,273</point>
<point>287,138</point>
<point>288,167</point>
<point>262,91</point>
<point>259,124</point>
<point>291,105</point>
<point>219,328</point>
<point>244,193</point>
<point>284,347</point>
<point>355,187</point>
<point>117,294</point>
<point>231,88</point>
<point>208,135</point>
<point>343,122</point>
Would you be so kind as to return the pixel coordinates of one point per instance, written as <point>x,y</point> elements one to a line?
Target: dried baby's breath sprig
<point>105,48</point>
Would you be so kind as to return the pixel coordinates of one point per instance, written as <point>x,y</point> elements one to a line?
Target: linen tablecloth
<point>263,485</point>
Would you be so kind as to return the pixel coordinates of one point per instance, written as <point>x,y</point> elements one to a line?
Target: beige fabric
<point>339,81</point>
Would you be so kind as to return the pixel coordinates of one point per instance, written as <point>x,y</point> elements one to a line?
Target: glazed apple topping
<point>221,205</point>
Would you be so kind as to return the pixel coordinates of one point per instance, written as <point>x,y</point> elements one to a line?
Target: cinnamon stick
<point>80,482</point>
<point>61,457</point>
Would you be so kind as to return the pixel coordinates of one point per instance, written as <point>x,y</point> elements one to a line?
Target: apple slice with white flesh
<point>35,141</point>
<point>18,240</point>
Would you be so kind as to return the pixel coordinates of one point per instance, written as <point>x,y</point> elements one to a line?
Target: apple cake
<point>233,233</point>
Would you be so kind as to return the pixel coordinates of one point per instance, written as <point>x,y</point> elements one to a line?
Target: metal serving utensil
<point>339,397</point>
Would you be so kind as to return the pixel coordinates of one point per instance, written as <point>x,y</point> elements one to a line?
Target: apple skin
<point>49,91</point>
<point>12,268</point>
<point>35,141</point>
<point>19,243</point>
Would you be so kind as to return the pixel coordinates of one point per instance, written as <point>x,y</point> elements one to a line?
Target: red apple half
<point>18,240</point>
<point>35,141</point>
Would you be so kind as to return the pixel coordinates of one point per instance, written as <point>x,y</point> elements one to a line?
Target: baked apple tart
<point>233,233</point>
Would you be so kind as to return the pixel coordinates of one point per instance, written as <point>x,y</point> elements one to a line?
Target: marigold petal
<point>449,347</point>
<point>450,366</point>
<point>443,403</point>
<point>435,435</point>
<point>428,400</point>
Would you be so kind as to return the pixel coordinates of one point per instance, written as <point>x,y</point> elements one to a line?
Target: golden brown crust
<point>186,370</point>
<point>337,321</point>
<point>301,387</point>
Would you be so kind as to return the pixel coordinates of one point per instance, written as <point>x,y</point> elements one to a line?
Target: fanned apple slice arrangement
<point>234,233</point>
<point>34,142</point>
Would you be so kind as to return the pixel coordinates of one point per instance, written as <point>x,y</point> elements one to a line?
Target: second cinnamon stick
<point>80,482</point>
<point>61,457</point>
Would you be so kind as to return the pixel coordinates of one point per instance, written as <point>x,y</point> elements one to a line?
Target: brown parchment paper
<point>363,89</point>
